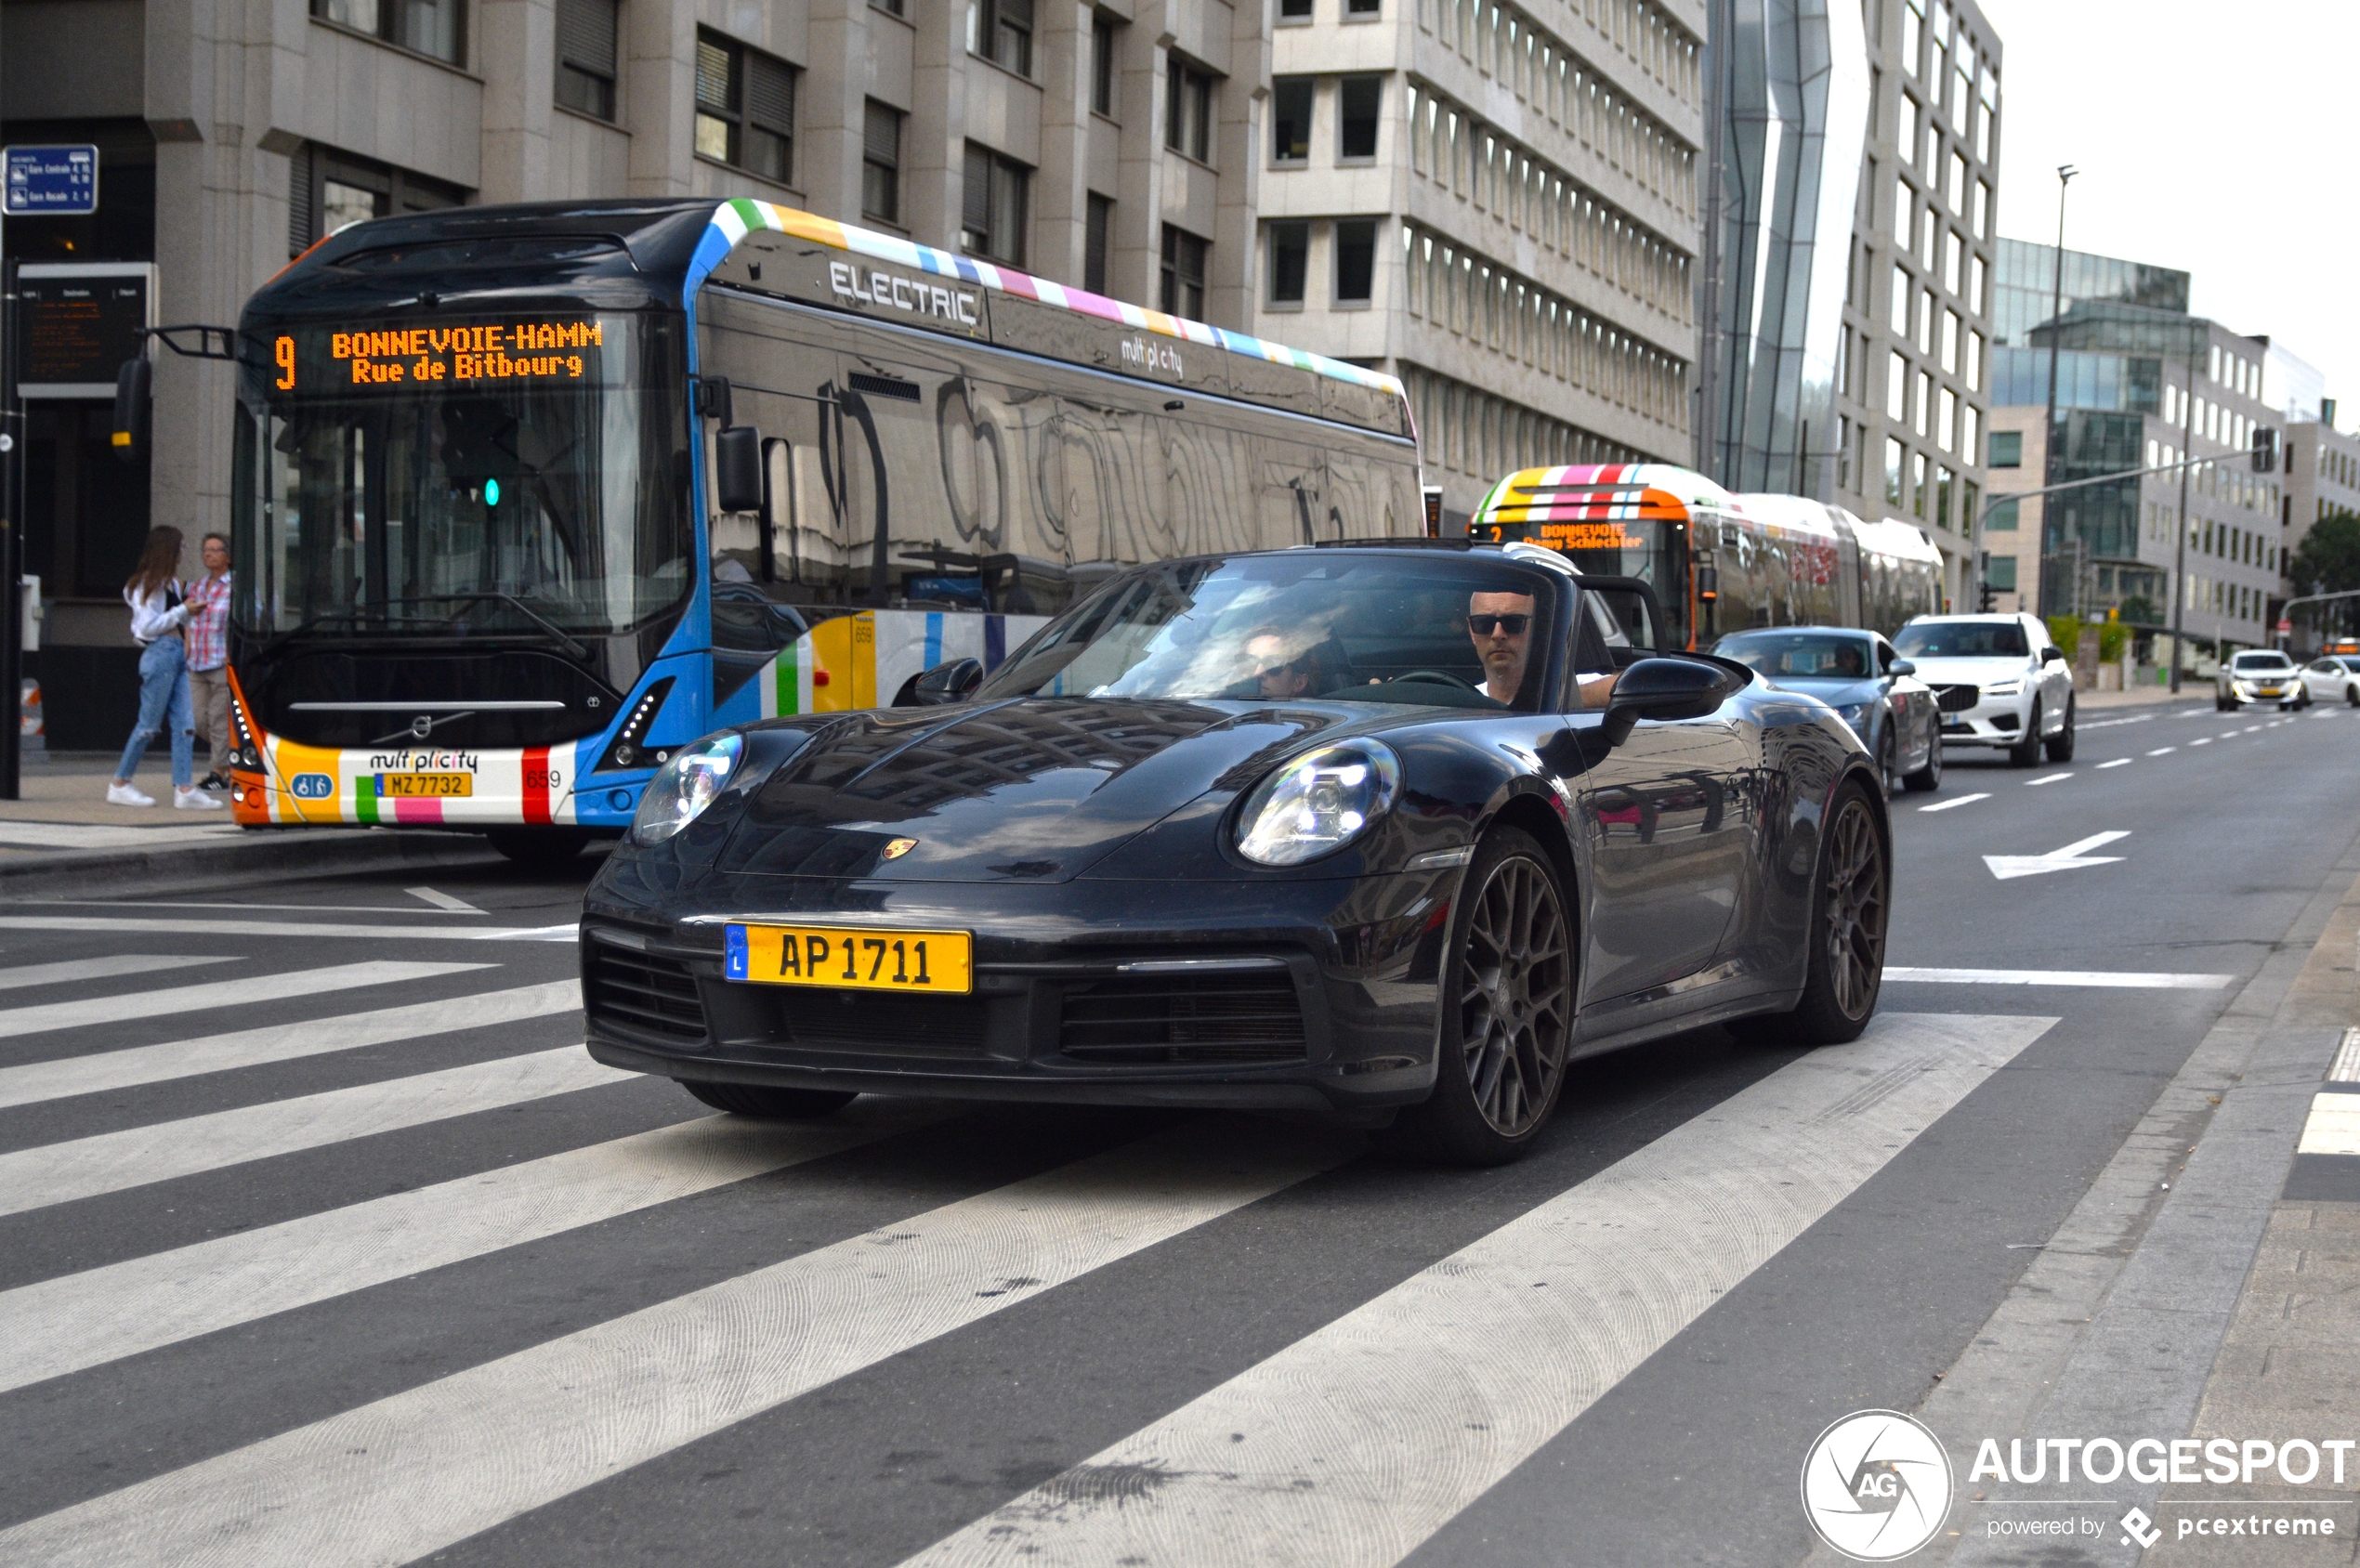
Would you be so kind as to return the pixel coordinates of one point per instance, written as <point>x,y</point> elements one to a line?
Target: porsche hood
<point>1036,789</point>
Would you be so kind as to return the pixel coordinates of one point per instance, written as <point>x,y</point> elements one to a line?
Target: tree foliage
<point>2329,559</point>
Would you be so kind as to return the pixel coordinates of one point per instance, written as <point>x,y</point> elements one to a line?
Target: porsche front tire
<point>1508,988</point>
<point>767,1103</point>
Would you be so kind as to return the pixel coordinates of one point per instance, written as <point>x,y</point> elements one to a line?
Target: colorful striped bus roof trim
<point>1609,491</point>
<point>734,219</point>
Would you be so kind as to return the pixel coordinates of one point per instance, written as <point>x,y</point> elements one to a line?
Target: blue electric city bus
<point>526,497</point>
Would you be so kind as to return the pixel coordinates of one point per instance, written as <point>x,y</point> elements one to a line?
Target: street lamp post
<point>2049,427</point>
<point>2179,532</point>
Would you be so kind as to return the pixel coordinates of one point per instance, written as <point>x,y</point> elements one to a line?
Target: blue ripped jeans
<point>163,699</point>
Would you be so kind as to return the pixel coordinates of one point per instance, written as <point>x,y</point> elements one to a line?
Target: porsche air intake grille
<point>1191,1019</point>
<point>885,1025</point>
<point>642,992</point>
<point>1957,698</point>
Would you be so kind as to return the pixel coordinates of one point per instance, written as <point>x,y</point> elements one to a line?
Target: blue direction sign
<point>51,181</point>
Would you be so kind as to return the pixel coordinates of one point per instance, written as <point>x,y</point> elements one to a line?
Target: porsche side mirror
<point>1660,688</point>
<point>953,682</point>
<point>737,469</point>
<point>1901,667</point>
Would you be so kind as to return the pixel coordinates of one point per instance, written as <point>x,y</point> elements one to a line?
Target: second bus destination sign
<point>509,351</point>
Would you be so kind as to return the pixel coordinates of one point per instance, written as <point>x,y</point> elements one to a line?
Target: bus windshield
<point>526,475</point>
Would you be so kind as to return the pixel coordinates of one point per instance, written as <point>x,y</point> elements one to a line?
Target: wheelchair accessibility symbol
<point>313,785</point>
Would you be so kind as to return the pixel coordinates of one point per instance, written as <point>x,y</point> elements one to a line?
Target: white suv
<point>1998,681</point>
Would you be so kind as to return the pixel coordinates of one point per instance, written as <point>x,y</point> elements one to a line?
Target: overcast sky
<point>2215,138</point>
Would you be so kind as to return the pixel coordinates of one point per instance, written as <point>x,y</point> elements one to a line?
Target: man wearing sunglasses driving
<point>1501,627</point>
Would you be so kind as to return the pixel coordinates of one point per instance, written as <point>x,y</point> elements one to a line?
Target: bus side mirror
<point>737,469</point>
<point>132,386</point>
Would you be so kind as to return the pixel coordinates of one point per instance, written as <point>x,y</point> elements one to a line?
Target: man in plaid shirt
<point>208,634</point>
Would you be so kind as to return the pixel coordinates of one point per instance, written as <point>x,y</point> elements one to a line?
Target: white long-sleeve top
<point>159,614</point>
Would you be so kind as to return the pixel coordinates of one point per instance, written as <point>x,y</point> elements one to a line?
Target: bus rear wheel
<point>538,849</point>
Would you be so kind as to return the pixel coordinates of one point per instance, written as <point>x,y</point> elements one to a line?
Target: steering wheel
<point>1438,677</point>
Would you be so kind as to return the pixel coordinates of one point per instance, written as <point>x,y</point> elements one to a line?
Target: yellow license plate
<point>846,957</point>
<point>425,784</point>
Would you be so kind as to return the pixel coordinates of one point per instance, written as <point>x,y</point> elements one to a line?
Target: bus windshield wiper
<point>573,647</point>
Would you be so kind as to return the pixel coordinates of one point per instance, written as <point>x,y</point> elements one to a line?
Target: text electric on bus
<point>527,497</point>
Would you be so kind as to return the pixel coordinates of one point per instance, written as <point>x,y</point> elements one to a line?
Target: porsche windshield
<point>445,476</point>
<point>1453,631</point>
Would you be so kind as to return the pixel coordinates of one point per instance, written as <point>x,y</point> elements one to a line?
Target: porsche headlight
<point>1320,802</point>
<point>685,786</point>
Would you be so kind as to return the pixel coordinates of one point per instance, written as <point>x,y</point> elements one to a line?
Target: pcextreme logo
<point>1876,1485</point>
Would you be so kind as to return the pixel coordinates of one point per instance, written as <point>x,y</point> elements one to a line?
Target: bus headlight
<point>1318,803</point>
<point>685,786</point>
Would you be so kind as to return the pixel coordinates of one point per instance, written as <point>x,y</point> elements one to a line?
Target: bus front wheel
<point>539,849</point>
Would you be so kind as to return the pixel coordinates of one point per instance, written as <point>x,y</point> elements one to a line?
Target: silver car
<point>1871,688</point>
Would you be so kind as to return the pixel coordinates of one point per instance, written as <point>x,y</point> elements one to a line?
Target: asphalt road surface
<point>322,1241</point>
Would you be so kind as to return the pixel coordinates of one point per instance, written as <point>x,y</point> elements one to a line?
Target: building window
<point>1001,30</point>
<point>992,207</point>
<point>1357,102</point>
<point>1361,7</point>
<point>1894,459</point>
<point>1097,236</point>
<point>328,190</point>
<point>1291,119</point>
<point>1897,389</point>
<point>745,107</point>
<point>1902,289</point>
<point>431,27</point>
<point>1290,261</point>
<point>881,163</point>
<point>1918,486</point>
<point>1183,255</point>
<point>1103,53</point>
<point>890,8</point>
<point>1942,498</point>
<point>1905,215</point>
<point>2000,573</point>
<point>1294,10</point>
<point>586,56</point>
<point>1188,124</point>
<point>1356,260</point>
<point>1969,428</point>
<point>2007,449</point>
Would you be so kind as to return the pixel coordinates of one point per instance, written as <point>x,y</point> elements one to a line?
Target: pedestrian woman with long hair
<point>158,617</point>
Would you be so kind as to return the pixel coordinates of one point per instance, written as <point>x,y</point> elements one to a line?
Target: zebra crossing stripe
<point>134,1156</point>
<point>19,1021</point>
<point>414,1472</point>
<point>300,930</point>
<point>1356,1444</point>
<point>2333,1126</point>
<point>104,967</point>
<point>83,1320</point>
<point>108,1070</point>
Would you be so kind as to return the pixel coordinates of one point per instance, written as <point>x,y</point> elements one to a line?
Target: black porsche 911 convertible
<point>1396,832</point>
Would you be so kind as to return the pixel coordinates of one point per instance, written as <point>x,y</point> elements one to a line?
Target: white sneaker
<point>127,794</point>
<point>193,798</point>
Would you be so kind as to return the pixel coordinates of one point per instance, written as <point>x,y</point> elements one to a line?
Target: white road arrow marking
<point>2007,866</point>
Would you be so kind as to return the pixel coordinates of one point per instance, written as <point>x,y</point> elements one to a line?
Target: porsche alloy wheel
<point>1508,1002</point>
<point>1849,908</point>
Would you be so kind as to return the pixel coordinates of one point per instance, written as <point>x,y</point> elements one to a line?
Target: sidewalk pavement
<point>61,830</point>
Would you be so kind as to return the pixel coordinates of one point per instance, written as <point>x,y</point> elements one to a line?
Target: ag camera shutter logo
<point>1877,1485</point>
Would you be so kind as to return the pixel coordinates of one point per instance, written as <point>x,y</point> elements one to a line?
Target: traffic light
<point>1989,600</point>
<point>2266,450</point>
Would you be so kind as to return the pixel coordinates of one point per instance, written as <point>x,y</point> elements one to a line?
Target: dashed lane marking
<point>2161,751</point>
<point>2119,761</point>
<point>2051,778</point>
<point>1962,799</point>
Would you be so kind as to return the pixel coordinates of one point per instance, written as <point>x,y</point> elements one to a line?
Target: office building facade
<point>1498,204</point>
<point>2138,387</point>
<point>1118,146</point>
<point>1912,358</point>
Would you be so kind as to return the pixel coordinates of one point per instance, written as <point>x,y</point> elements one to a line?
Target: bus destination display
<point>513,351</point>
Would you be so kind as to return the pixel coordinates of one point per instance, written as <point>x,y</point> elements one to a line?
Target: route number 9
<point>284,351</point>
